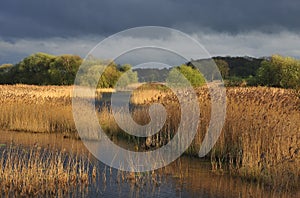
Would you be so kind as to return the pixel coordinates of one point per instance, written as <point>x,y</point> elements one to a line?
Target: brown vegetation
<point>43,172</point>
<point>36,109</point>
<point>260,139</point>
<point>261,136</point>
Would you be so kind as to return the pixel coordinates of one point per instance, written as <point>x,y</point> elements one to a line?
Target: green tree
<point>223,68</point>
<point>133,76</point>
<point>4,73</point>
<point>33,69</point>
<point>63,69</point>
<point>42,69</point>
<point>90,74</point>
<point>125,67</point>
<point>290,77</point>
<point>268,74</point>
<point>4,68</point>
<point>127,78</point>
<point>112,74</point>
<point>279,72</point>
<point>194,77</point>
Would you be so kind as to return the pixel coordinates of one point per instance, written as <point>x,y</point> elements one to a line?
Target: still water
<point>185,177</point>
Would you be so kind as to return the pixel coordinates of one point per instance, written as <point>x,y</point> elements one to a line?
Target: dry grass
<point>35,94</point>
<point>260,139</point>
<point>45,117</point>
<point>36,109</point>
<point>43,172</point>
<point>148,94</point>
<point>39,108</point>
<point>261,136</point>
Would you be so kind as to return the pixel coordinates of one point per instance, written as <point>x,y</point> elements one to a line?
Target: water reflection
<point>186,177</point>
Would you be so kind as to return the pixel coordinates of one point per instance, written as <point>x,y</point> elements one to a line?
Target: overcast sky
<point>223,27</point>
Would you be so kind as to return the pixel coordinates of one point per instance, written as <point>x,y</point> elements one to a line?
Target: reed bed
<point>31,94</point>
<point>259,141</point>
<point>36,109</point>
<point>45,117</point>
<point>263,124</point>
<point>43,172</point>
<point>261,136</point>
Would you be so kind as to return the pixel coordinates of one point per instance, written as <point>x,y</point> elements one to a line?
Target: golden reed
<point>259,141</point>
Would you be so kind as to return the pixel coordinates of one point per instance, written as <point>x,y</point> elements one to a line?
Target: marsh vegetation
<point>259,141</point>
<point>185,177</point>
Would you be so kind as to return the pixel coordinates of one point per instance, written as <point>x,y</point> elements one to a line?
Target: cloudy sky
<point>223,27</point>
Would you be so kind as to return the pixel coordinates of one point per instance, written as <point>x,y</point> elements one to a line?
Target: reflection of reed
<point>37,171</point>
<point>198,180</point>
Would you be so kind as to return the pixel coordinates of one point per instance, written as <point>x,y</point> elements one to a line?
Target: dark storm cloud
<point>224,27</point>
<point>57,18</point>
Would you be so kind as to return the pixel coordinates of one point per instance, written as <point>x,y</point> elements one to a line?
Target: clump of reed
<point>43,172</point>
<point>260,137</point>
<point>144,95</point>
<point>45,117</point>
<point>39,108</point>
<point>35,94</point>
<point>36,109</point>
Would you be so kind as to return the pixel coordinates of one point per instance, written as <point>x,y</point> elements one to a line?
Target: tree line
<point>274,71</point>
<point>279,71</point>
<point>46,69</point>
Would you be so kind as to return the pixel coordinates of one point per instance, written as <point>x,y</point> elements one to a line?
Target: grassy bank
<point>260,139</point>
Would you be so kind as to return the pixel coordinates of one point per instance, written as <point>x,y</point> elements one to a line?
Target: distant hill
<point>152,75</point>
<point>238,67</point>
<point>242,66</point>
